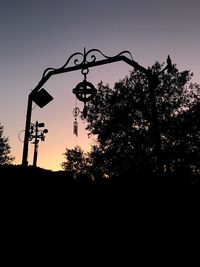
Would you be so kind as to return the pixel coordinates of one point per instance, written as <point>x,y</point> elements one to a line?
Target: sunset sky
<point>37,34</point>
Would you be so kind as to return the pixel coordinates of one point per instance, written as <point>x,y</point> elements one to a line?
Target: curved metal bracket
<point>80,61</point>
<point>85,58</point>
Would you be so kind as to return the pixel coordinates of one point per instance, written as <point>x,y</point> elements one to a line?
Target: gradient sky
<point>36,34</point>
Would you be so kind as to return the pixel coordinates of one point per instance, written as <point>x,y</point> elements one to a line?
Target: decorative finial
<point>169,64</point>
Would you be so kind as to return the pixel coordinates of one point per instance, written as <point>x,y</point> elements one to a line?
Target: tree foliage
<point>121,117</point>
<point>75,160</point>
<point>5,150</point>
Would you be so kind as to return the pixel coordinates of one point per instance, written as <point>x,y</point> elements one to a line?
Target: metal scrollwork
<point>82,59</point>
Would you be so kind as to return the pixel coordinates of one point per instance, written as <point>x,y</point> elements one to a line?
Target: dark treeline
<point>35,179</point>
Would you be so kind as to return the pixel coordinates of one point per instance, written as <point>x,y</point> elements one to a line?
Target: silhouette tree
<point>5,157</point>
<point>75,160</point>
<point>122,120</point>
<point>97,164</point>
<point>182,153</point>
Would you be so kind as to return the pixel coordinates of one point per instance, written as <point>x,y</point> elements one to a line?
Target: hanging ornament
<point>76,112</point>
<point>84,113</point>
<point>75,127</point>
<point>85,91</point>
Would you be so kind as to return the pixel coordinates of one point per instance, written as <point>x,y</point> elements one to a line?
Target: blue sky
<point>38,34</point>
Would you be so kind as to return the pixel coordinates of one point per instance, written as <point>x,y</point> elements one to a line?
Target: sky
<point>37,34</point>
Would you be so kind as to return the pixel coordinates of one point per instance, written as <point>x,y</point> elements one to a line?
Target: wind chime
<point>84,92</point>
<point>76,112</point>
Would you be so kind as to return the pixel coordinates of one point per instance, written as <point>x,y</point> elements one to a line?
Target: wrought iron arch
<point>86,60</point>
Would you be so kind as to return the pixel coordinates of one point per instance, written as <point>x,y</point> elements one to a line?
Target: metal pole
<point>153,83</point>
<point>27,129</point>
<point>36,142</point>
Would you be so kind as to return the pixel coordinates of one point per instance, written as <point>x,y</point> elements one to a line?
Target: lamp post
<point>153,83</point>
<point>37,134</point>
<point>154,80</point>
<point>84,61</point>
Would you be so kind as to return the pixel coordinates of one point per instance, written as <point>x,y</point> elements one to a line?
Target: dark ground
<point>43,212</point>
<point>37,184</point>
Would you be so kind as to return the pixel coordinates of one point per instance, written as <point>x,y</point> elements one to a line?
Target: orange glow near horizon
<point>58,116</point>
<point>50,152</point>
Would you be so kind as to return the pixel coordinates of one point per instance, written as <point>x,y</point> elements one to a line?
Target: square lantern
<point>42,98</point>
